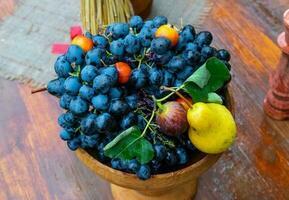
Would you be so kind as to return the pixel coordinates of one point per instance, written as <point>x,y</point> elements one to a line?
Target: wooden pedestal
<point>276,103</point>
<point>184,191</point>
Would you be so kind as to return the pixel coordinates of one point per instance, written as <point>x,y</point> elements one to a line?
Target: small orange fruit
<point>184,104</point>
<point>84,42</point>
<point>124,72</point>
<point>168,32</point>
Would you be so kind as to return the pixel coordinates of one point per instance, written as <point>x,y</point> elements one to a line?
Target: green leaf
<point>219,74</point>
<point>200,77</point>
<point>118,138</point>
<point>197,94</point>
<point>214,98</point>
<point>206,80</point>
<point>128,145</point>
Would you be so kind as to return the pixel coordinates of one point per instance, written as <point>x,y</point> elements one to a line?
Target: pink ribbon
<point>61,48</point>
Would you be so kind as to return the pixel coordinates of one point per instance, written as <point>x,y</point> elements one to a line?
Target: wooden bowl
<point>142,7</point>
<point>176,185</point>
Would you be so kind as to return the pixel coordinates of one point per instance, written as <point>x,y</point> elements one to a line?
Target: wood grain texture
<point>167,186</point>
<point>35,163</point>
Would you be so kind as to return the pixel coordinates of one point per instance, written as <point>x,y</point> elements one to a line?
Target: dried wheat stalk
<point>97,13</point>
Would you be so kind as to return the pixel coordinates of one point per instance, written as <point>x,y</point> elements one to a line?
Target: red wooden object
<point>276,103</point>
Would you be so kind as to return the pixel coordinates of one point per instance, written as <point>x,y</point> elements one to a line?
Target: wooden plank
<point>257,165</point>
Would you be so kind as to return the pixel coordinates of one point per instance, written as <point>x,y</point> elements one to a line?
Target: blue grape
<point>136,22</point>
<point>160,20</point>
<point>128,120</point>
<point>75,54</point>
<point>86,92</point>
<point>171,158</point>
<point>144,172</point>
<point>64,101</point>
<point>138,78</point>
<point>190,146</point>
<point>88,35</point>
<point>133,165</point>
<point>182,155</point>
<point>88,73</point>
<point>66,135</point>
<point>110,60</point>
<point>115,92</point>
<point>208,52</point>
<point>160,152</point>
<point>155,166</point>
<point>162,59</point>
<point>62,67</point>
<point>94,57</point>
<point>110,71</point>
<point>223,55</point>
<point>178,83</point>
<point>176,64</point>
<point>88,124</point>
<point>160,45</point>
<point>155,76</point>
<point>100,155</point>
<point>124,165</point>
<point>104,122</point>
<point>192,46</point>
<point>117,47</point>
<point>119,30</point>
<point>78,106</point>
<point>100,102</point>
<point>203,38</point>
<point>145,69</point>
<point>72,85</point>
<point>67,121</point>
<point>188,71</point>
<point>74,143</point>
<point>56,87</point>
<point>181,43</point>
<point>168,79</point>
<point>118,107</point>
<point>188,33</point>
<point>100,41</point>
<point>89,141</point>
<point>141,122</point>
<point>132,44</point>
<point>132,101</point>
<point>149,24</point>
<point>145,37</point>
<point>102,83</point>
<point>191,57</point>
<point>116,163</point>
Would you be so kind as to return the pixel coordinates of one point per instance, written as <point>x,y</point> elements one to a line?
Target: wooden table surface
<point>35,164</point>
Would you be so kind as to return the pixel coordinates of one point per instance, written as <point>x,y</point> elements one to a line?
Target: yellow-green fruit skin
<point>212,127</point>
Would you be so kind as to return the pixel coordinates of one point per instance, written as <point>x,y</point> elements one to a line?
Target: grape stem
<point>149,122</point>
<point>179,94</point>
<point>33,91</point>
<point>103,62</point>
<point>171,94</point>
<point>140,59</point>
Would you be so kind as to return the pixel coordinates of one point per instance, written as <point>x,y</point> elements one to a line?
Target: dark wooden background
<point>35,163</point>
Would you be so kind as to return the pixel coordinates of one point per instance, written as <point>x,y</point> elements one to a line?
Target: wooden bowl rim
<point>199,163</point>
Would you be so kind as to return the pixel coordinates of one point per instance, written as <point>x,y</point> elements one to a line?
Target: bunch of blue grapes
<point>99,107</point>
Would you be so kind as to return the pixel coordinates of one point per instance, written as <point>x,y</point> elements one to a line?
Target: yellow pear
<point>212,127</point>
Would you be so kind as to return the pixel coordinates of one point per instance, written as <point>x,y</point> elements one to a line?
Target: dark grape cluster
<point>100,102</point>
